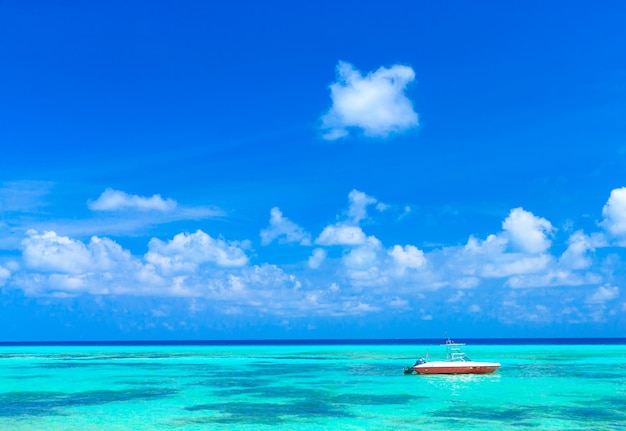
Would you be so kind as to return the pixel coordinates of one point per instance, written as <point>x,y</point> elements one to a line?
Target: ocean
<point>310,385</point>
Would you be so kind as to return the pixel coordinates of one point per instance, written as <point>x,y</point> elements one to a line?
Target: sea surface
<point>310,385</point>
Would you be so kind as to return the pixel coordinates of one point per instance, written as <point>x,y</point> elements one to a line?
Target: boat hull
<point>456,368</point>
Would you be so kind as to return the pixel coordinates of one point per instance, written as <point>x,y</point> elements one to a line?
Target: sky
<point>309,170</point>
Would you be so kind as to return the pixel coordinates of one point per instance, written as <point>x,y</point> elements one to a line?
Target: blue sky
<point>241,170</point>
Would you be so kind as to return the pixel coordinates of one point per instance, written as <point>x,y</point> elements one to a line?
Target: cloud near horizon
<point>375,104</point>
<point>360,271</point>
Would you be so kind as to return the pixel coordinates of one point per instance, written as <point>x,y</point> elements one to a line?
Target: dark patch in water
<point>14,404</point>
<point>274,392</point>
<point>26,376</point>
<point>375,400</point>
<point>139,382</point>
<point>608,411</point>
<point>295,392</point>
<point>268,413</point>
<point>305,404</point>
<point>597,412</point>
<point>507,414</point>
<point>234,382</point>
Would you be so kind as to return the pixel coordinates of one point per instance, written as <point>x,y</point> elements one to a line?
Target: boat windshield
<point>454,353</point>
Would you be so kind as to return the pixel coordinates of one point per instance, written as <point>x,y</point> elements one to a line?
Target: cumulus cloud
<point>491,258</point>
<point>577,254</point>
<point>408,256</point>
<point>188,265</point>
<point>348,232</point>
<point>374,103</point>
<point>365,256</point>
<point>284,229</point>
<point>614,214</point>
<point>115,200</point>
<point>528,232</point>
<point>49,252</point>
<point>362,265</point>
<point>370,272</point>
<point>519,255</point>
<point>185,252</point>
<point>341,235</point>
<point>58,265</point>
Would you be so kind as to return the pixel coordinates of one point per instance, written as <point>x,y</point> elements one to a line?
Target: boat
<point>456,363</point>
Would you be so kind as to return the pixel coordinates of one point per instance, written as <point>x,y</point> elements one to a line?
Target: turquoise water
<point>342,387</point>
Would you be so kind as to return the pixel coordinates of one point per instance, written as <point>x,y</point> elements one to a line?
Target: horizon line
<point>320,341</point>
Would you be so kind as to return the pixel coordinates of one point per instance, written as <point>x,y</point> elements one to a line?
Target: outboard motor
<point>409,370</point>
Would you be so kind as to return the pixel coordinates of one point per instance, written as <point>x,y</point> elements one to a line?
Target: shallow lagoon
<point>343,387</point>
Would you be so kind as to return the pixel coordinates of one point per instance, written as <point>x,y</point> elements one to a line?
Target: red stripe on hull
<point>455,370</point>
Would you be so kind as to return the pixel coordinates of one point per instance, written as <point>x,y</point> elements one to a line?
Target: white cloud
<point>603,294</point>
<point>614,212</point>
<point>284,229</point>
<point>513,264</point>
<point>550,277</point>
<point>374,103</point>
<point>49,252</point>
<point>370,273</point>
<point>408,256</point>
<point>316,259</point>
<point>363,265</point>
<point>189,265</point>
<point>490,258</point>
<point>115,200</point>
<point>185,252</point>
<point>528,232</point>
<point>576,256</point>
<point>518,254</point>
<point>341,235</point>
<point>56,265</point>
<point>359,202</point>
<point>365,256</point>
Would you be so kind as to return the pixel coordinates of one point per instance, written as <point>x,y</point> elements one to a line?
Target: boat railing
<point>453,351</point>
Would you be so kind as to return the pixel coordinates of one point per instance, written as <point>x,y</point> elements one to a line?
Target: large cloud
<point>362,271</point>
<point>375,103</point>
<point>188,265</point>
<point>519,256</point>
<point>49,252</point>
<point>185,252</point>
